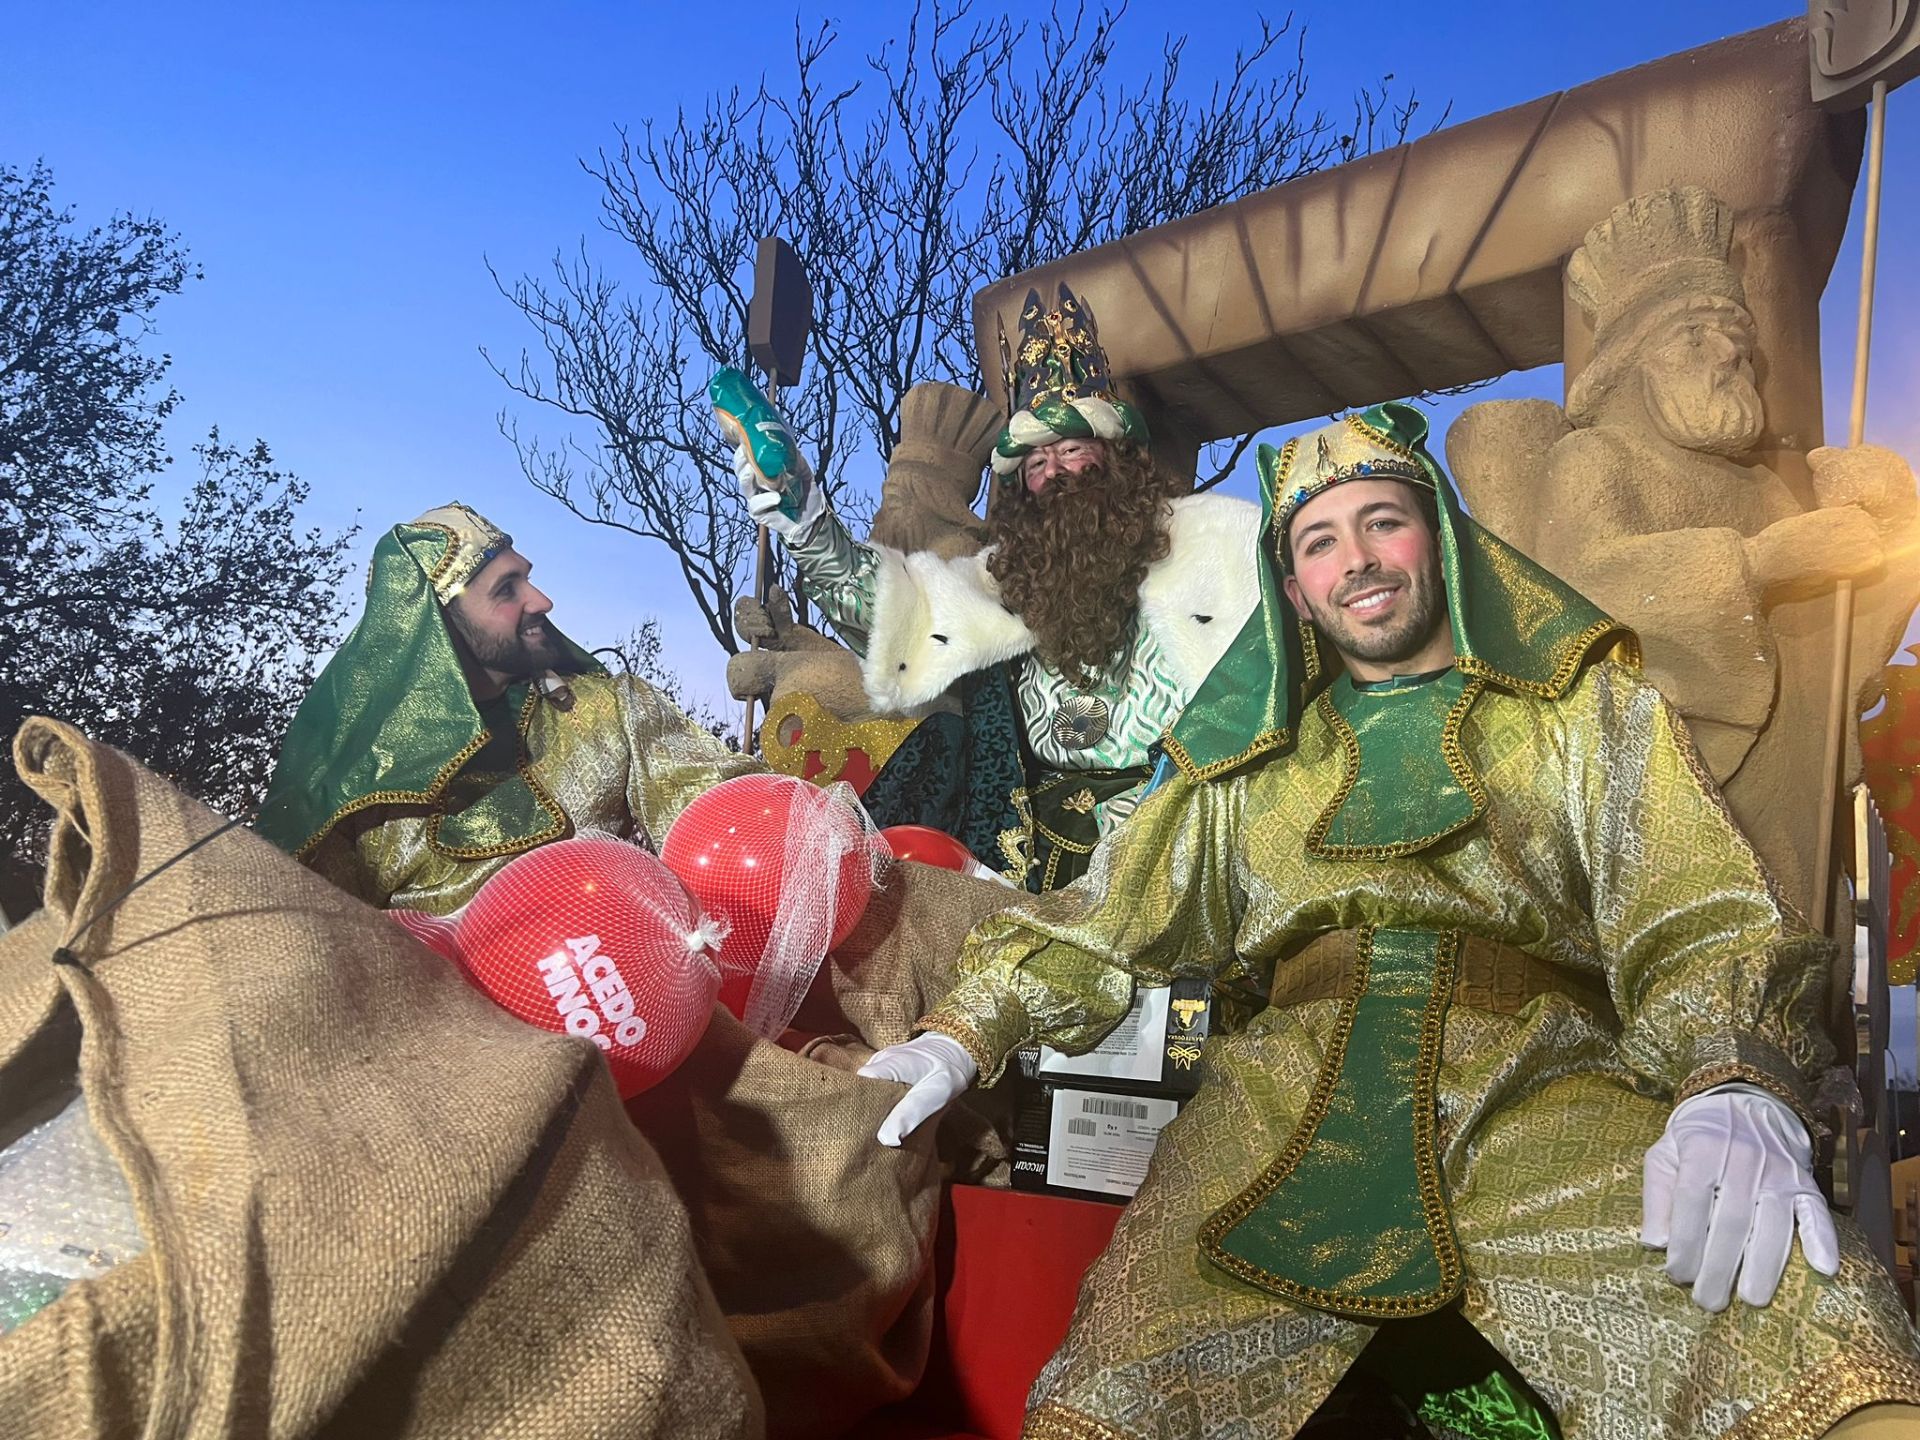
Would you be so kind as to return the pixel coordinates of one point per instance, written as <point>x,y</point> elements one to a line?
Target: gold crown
<point>1348,449</point>
<point>472,540</point>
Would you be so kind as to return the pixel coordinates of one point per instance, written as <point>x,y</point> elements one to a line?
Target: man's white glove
<point>1724,1188</point>
<point>935,1066</point>
<point>787,505</point>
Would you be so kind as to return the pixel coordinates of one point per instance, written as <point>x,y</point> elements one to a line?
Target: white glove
<point>935,1066</point>
<point>1723,1190</point>
<point>790,504</point>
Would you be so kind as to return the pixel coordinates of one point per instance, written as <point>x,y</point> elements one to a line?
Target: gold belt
<point>1491,975</point>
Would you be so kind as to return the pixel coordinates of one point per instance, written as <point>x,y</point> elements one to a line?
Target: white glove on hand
<point>787,508</point>
<point>1723,1190</point>
<point>937,1068</point>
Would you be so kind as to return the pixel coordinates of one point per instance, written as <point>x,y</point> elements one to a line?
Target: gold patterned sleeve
<point>673,758</point>
<point>1162,900</point>
<point>1714,976</point>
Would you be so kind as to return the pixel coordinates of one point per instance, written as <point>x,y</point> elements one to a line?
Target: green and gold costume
<point>1495,923</point>
<point>398,787</point>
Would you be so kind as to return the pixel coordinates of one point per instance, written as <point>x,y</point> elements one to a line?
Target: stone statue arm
<point>1163,900</point>
<point>1881,483</point>
<point>1808,553</point>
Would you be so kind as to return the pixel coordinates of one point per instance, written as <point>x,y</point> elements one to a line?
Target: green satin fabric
<point>392,721</point>
<point>1514,624</point>
<point>1351,1218</point>
<point>1491,1409</point>
<point>1402,791</point>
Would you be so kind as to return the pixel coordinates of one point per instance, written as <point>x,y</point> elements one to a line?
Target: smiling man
<point>1519,1140</point>
<point>457,727</point>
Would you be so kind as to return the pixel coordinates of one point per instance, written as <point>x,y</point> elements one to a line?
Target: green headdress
<point>390,721</point>
<point>1514,624</point>
<point>1058,385</point>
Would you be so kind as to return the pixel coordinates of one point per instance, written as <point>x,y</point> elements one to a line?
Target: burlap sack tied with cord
<point>817,1239</point>
<point>374,1203</point>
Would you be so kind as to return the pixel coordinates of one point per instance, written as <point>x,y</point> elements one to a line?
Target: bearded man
<point>457,727</point>
<point>1530,1012</point>
<point>1076,637</point>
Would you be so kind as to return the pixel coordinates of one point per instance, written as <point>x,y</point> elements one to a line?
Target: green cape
<point>390,721</point>
<point>1514,625</point>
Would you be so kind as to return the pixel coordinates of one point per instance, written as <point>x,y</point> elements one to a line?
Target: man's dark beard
<point>535,646</point>
<point>1383,645</point>
<point>1071,559</point>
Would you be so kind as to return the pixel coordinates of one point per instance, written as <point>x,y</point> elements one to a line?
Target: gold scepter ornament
<point>779,323</point>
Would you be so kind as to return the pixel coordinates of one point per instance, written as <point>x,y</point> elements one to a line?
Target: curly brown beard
<point>1070,560</point>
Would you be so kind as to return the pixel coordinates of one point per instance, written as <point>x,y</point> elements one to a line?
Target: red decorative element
<point>595,937</point>
<point>733,848</point>
<point>1890,745</point>
<point>929,846</point>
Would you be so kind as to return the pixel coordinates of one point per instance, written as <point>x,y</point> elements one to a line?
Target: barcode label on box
<point>1107,1105</point>
<point>1101,1143</point>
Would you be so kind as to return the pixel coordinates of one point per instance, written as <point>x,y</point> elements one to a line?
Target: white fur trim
<point>1196,600</point>
<point>935,620</point>
<point>1210,571</point>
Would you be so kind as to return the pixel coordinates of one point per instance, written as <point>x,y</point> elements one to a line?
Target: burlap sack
<point>817,1239</point>
<point>374,1203</point>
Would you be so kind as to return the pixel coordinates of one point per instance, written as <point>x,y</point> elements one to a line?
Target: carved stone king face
<point>1696,376</point>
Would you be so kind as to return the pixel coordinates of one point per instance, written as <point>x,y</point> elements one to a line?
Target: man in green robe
<point>1530,1012</point>
<point>457,727</point>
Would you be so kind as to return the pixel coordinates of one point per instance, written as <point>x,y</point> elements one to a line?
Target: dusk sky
<point>343,173</point>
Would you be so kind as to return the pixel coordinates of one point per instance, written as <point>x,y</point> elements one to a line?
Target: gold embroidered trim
<point>1570,662</point>
<point>944,1022</point>
<point>1818,1401</point>
<point>1374,437</point>
<point>427,796</point>
<point>1016,842</point>
<point>1735,1073</point>
<point>445,562</point>
<point>1054,1421</point>
<point>1433,1203</point>
<point>1265,741</point>
<point>1450,748</point>
<point>1309,655</point>
<point>556,830</point>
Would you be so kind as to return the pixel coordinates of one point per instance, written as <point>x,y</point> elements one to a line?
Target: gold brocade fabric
<point>1604,854</point>
<point>621,762</point>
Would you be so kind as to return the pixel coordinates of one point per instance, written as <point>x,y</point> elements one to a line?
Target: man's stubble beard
<point>1382,645</point>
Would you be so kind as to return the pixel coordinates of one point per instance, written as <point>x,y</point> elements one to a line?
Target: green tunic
<point>622,761</point>
<point>1593,943</point>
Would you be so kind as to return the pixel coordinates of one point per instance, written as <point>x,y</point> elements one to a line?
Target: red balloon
<point>929,846</point>
<point>594,937</point>
<point>732,848</point>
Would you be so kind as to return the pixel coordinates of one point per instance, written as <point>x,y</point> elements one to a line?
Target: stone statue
<point>1645,493</point>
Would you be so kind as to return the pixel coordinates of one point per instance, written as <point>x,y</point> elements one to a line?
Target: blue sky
<point>343,173</point>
